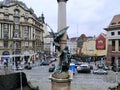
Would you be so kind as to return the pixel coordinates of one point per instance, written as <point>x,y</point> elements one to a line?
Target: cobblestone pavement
<point>39,76</point>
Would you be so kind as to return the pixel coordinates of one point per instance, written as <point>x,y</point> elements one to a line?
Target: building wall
<point>89,48</point>
<point>113,35</point>
<point>20,29</point>
<point>72,46</point>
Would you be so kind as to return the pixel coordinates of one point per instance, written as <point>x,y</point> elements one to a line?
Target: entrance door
<point>112,61</point>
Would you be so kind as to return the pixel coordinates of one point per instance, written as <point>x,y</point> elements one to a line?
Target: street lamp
<point>14,54</point>
<point>116,70</point>
<point>21,88</point>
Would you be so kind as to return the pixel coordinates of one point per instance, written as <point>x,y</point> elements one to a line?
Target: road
<point>39,76</point>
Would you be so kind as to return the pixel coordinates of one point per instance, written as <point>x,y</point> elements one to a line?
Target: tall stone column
<point>61,80</point>
<point>62,21</point>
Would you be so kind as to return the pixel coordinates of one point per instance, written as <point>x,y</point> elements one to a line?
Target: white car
<point>100,71</point>
<point>83,68</point>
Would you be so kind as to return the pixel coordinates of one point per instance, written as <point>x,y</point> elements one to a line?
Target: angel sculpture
<point>63,65</point>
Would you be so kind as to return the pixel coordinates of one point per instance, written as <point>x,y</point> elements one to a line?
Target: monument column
<point>61,78</point>
<point>61,14</point>
<point>62,21</point>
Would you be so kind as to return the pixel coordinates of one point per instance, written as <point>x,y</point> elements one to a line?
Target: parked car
<point>100,71</point>
<point>100,65</point>
<point>19,67</point>
<point>28,66</point>
<point>83,68</point>
<point>115,69</point>
<point>106,67</point>
<point>51,68</point>
<point>103,66</point>
<point>44,63</point>
<point>52,60</point>
<point>77,64</point>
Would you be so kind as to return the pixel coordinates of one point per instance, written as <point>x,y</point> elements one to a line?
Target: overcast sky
<point>88,17</point>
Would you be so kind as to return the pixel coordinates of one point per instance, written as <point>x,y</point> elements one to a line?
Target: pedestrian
<point>5,62</point>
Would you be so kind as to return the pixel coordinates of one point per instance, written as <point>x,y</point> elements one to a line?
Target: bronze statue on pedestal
<point>64,55</point>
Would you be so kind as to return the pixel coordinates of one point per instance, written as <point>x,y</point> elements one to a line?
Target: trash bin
<point>72,68</point>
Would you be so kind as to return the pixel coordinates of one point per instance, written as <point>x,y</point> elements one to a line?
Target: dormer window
<point>113,23</point>
<point>119,22</point>
<point>112,33</point>
<point>16,12</point>
<point>26,14</point>
<point>6,11</point>
<point>118,32</point>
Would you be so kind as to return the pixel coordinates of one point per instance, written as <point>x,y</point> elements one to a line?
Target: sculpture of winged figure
<point>57,36</point>
<point>63,65</point>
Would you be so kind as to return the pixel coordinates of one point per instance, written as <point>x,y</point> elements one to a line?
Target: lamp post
<point>14,54</point>
<point>116,70</point>
<point>21,88</point>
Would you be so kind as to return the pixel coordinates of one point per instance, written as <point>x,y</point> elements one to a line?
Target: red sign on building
<point>100,42</point>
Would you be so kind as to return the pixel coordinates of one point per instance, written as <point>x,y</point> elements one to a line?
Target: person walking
<point>5,63</point>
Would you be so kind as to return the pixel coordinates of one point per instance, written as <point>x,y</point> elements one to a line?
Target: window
<point>26,14</point>
<point>113,23</point>
<point>5,44</point>
<point>5,26</point>
<point>16,12</point>
<point>16,19</point>
<point>112,33</point>
<point>16,26</point>
<point>26,43</point>
<point>5,35</point>
<point>119,22</point>
<point>26,35</point>
<point>6,11</point>
<point>26,19</point>
<point>119,44</point>
<point>113,42</point>
<point>26,28</point>
<point>6,17</point>
<point>16,35</point>
<point>118,32</point>
<point>113,45</point>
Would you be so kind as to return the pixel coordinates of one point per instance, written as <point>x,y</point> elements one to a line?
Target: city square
<point>34,56</point>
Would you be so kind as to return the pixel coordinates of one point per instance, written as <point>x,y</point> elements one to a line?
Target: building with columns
<point>21,31</point>
<point>113,35</point>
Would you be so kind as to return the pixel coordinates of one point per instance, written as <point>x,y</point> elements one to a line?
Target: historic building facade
<point>21,31</point>
<point>72,44</point>
<point>113,35</point>
<point>95,47</point>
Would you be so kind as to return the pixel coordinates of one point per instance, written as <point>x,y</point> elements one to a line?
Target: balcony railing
<point>16,38</point>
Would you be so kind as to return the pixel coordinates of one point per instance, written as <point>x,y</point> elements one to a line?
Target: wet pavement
<point>39,76</point>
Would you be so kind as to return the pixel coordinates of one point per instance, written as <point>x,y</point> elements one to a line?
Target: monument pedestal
<point>61,82</point>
